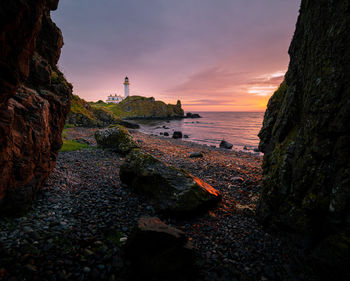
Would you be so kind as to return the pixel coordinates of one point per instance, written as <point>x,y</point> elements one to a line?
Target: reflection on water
<point>239,128</point>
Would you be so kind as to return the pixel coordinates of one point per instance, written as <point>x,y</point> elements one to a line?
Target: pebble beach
<point>82,217</point>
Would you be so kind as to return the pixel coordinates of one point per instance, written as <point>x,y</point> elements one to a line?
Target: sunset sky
<point>213,55</point>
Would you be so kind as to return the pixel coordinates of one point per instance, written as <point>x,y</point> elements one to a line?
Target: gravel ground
<point>74,229</point>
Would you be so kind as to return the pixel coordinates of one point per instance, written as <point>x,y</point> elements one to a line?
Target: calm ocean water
<point>239,128</point>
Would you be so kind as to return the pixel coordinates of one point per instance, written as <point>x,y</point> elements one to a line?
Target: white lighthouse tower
<point>126,87</point>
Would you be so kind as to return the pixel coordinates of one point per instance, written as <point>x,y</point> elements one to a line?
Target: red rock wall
<point>33,107</point>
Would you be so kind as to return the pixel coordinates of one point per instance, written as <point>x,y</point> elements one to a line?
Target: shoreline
<point>83,210</point>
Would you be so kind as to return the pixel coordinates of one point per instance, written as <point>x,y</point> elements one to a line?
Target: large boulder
<point>33,106</point>
<point>117,138</point>
<point>172,190</point>
<point>306,136</point>
<point>157,250</point>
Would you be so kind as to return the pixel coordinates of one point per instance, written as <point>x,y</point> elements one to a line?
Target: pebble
<point>83,208</point>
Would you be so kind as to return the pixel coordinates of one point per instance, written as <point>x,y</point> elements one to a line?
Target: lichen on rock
<point>306,136</point>
<point>116,138</point>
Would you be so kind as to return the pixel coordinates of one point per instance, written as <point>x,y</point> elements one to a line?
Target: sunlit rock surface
<point>172,190</point>
<point>306,137</point>
<point>34,99</point>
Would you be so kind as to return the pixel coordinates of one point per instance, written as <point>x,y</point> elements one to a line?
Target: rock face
<point>137,107</point>
<point>89,115</point>
<point>33,105</point>
<point>172,190</point>
<point>306,137</point>
<point>158,250</point>
<point>116,138</point>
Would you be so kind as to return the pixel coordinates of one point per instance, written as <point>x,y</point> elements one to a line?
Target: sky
<point>213,55</point>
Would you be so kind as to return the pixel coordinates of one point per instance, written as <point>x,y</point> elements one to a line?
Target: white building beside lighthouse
<point>118,98</point>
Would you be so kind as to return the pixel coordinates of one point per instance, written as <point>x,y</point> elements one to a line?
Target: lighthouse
<point>126,87</point>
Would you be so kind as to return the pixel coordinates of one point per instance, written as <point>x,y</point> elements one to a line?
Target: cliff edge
<point>306,137</point>
<point>34,99</point>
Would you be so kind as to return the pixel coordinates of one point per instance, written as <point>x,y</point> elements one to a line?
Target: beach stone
<point>225,144</point>
<point>117,138</point>
<point>177,135</point>
<point>186,136</point>
<point>159,250</point>
<point>166,134</point>
<point>196,155</point>
<point>237,179</point>
<point>171,190</point>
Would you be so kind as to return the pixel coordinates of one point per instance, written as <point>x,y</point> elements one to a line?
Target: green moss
<point>57,77</point>
<point>71,145</point>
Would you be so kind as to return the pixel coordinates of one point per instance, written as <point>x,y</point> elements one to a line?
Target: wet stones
<point>177,135</point>
<point>225,144</point>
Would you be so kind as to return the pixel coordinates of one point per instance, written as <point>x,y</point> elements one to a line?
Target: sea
<point>238,128</point>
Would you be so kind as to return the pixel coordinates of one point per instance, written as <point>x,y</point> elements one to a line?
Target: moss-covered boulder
<point>172,190</point>
<point>117,138</point>
<point>306,136</point>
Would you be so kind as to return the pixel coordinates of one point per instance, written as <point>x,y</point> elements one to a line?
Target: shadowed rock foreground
<point>34,99</point>
<point>306,136</point>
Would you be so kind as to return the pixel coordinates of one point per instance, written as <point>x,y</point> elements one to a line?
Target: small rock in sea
<point>237,179</point>
<point>161,133</point>
<point>214,146</point>
<point>225,144</point>
<point>256,149</point>
<point>166,134</point>
<point>196,155</point>
<point>165,127</point>
<point>177,135</point>
<point>245,147</point>
<point>186,136</point>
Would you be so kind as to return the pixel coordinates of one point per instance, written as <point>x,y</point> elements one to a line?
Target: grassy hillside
<point>135,107</point>
<point>84,114</point>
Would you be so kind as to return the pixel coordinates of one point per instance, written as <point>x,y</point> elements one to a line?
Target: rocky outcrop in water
<point>306,137</point>
<point>34,99</point>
